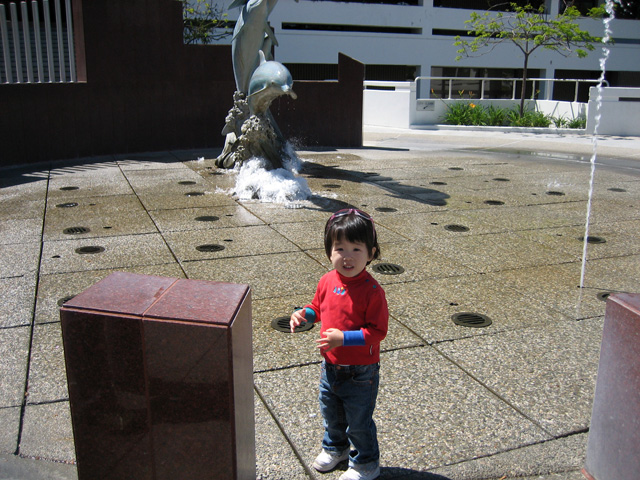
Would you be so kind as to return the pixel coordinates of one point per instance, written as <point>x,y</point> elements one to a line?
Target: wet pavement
<point>482,223</point>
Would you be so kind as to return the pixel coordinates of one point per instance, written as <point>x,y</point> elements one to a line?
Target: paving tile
<point>553,386</point>
<point>193,198</point>
<point>119,252</point>
<point>228,242</point>
<point>20,230</point>
<point>10,421</point>
<point>272,275</point>
<point>47,372</point>
<point>17,296</point>
<point>203,218</point>
<point>426,307</point>
<point>421,425</point>
<point>19,259</point>
<point>86,208</point>
<point>14,352</point>
<point>111,181</point>
<point>47,433</point>
<point>96,226</point>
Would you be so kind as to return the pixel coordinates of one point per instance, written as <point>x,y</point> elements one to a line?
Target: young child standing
<point>352,309</point>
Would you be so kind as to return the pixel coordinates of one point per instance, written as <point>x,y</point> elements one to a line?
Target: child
<point>352,309</point>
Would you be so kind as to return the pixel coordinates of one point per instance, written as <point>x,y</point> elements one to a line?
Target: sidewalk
<point>509,400</point>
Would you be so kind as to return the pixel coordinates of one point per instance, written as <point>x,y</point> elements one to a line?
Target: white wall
<point>619,111</point>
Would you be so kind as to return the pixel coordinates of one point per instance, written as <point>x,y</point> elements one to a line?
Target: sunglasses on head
<point>348,211</point>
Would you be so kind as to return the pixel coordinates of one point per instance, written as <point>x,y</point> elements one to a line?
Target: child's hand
<point>297,318</point>
<point>332,338</point>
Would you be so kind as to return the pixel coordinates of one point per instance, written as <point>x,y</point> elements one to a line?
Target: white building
<point>400,40</point>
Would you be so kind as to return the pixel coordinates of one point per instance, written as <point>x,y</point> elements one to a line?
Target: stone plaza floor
<point>488,223</point>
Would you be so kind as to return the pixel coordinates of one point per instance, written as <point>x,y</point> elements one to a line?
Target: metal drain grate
<point>500,179</point>
<point>616,189</point>
<point>456,228</point>
<point>386,209</point>
<point>67,205</point>
<point>207,218</point>
<point>68,189</point>
<point>494,202</point>
<point>211,247</point>
<point>593,239</point>
<point>387,268</point>
<point>75,230</point>
<point>456,168</point>
<point>186,182</point>
<point>90,250</point>
<point>331,185</point>
<point>437,183</point>
<point>554,193</point>
<point>194,194</point>
<point>281,324</point>
<point>473,320</point>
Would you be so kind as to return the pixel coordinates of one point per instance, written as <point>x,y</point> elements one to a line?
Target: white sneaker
<point>327,461</point>
<point>369,471</point>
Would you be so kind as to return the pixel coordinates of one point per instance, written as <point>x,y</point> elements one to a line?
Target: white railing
<point>33,49</point>
<point>455,88</point>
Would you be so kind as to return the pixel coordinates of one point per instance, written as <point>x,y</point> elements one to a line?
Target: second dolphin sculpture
<point>259,135</point>
<point>258,83</point>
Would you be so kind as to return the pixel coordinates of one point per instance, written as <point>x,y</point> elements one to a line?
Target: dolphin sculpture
<point>269,81</point>
<point>249,38</point>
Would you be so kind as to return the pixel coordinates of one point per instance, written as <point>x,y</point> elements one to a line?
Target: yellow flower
<point>472,105</point>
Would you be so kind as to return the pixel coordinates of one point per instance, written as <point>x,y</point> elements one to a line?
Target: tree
<point>203,22</point>
<point>529,29</point>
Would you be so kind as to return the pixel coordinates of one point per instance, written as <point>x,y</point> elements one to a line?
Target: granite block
<point>547,372</point>
<point>54,288</point>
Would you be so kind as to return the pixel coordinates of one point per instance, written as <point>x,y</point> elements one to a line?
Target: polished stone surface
<point>456,403</point>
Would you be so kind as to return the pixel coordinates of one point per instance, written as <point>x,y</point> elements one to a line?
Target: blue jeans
<point>347,400</point>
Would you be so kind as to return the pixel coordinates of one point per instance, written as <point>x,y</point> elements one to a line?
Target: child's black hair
<point>353,228</point>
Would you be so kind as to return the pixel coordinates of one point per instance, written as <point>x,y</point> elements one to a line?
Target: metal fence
<point>485,88</point>
<point>37,42</point>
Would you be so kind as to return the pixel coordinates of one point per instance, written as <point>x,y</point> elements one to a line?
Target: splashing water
<point>255,182</point>
<point>609,7</point>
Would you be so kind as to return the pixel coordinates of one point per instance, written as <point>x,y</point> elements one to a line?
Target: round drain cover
<point>474,320</point>
<point>75,230</point>
<point>90,249</point>
<point>281,324</point>
<point>331,185</point>
<point>64,300</point>
<point>388,268</point>
<point>555,193</point>
<point>194,194</point>
<point>437,183</point>
<point>494,202</point>
<point>187,182</point>
<point>593,239</point>
<point>603,296</point>
<point>456,228</point>
<point>67,205</point>
<point>207,218</point>
<point>499,179</point>
<point>211,247</point>
<point>456,168</point>
<point>68,189</point>
<point>386,209</point>
<point>615,189</point>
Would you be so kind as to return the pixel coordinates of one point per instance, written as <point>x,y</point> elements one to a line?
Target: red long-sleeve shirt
<point>348,304</point>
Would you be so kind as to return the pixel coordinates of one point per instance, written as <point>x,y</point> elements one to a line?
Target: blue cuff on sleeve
<point>353,338</point>
<point>309,315</point>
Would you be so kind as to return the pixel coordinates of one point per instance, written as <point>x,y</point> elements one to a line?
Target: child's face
<point>350,258</point>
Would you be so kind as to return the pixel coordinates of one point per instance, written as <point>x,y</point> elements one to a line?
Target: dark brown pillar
<point>613,448</point>
<point>160,379</point>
